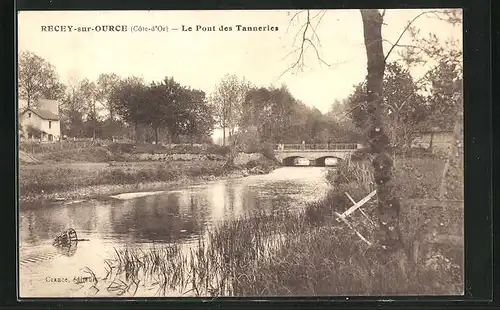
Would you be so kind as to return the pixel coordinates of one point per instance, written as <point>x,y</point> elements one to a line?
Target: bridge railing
<point>317,146</point>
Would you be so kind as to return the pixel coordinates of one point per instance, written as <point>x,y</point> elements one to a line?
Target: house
<point>41,121</point>
<point>436,140</point>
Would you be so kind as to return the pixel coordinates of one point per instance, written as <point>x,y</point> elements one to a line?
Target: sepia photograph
<point>240,153</point>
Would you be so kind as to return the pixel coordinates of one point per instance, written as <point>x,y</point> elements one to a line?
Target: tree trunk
<point>156,135</point>
<point>135,131</point>
<point>388,203</point>
<point>111,114</point>
<point>223,135</point>
<point>94,121</point>
<point>430,142</point>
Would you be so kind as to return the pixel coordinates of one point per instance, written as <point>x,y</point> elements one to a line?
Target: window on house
<point>29,115</point>
<point>50,124</point>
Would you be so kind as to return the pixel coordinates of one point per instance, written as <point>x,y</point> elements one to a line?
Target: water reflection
<point>179,214</point>
<point>68,250</point>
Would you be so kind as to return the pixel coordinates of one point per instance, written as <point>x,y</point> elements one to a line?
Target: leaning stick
<point>350,226</point>
<point>361,210</point>
<point>359,204</point>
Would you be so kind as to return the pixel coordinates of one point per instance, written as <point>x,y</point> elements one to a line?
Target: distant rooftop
<point>45,108</point>
<point>44,114</point>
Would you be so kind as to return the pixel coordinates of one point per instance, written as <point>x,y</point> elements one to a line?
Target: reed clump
<point>285,254</point>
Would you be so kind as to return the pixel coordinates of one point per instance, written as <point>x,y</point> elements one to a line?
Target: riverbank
<point>309,253</point>
<point>85,180</point>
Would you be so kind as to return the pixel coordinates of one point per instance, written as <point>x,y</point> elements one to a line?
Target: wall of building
<point>34,120</point>
<point>54,130</point>
<point>441,141</point>
<point>41,124</point>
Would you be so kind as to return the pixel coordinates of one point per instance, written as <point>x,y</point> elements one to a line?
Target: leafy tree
<point>282,113</point>
<point>273,115</point>
<point>446,89</point>
<point>227,101</point>
<point>257,113</point>
<point>129,100</point>
<point>37,78</point>
<point>403,108</point>
<point>106,83</point>
<point>91,96</point>
<point>445,96</point>
<point>73,110</point>
<point>199,120</point>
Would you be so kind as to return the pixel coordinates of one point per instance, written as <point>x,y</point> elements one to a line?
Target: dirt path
<point>25,158</point>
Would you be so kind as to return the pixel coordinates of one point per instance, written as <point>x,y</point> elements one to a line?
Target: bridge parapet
<point>318,146</point>
<point>315,152</point>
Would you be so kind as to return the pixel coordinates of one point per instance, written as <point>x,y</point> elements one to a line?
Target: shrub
<point>356,172</point>
<point>88,154</point>
<point>267,149</point>
<point>116,176</point>
<point>121,147</point>
<point>166,174</point>
<point>418,177</point>
<point>217,149</point>
<point>415,152</point>
<point>252,164</point>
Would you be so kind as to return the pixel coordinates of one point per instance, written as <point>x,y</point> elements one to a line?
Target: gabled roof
<point>44,101</point>
<point>44,114</point>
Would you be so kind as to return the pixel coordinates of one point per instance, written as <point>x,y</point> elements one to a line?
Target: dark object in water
<point>67,238</point>
<point>68,250</point>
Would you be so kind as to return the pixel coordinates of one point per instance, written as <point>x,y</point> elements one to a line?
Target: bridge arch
<point>321,161</point>
<point>290,161</point>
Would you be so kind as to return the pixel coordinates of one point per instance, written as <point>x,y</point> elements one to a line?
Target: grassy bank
<point>86,180</point>
<point>65,152</point>
<point>72,180</point>
<point>305,253</point>
<point>96,170</point>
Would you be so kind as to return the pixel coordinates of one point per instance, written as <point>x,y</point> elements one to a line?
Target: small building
<point>437,141</point>
<point>41,121</point>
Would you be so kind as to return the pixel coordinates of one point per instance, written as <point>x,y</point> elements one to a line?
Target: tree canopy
<point>37,78</point>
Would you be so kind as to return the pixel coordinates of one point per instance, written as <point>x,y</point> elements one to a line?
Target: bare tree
<point>388,202</point>
<point>376,126</point>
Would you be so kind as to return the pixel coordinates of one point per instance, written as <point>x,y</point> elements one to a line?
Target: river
<point>177,214</point>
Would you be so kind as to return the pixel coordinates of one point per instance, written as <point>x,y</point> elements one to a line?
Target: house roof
<point>44,114</point>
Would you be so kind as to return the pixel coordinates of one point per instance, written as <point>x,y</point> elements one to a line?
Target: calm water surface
<point>179,214</point>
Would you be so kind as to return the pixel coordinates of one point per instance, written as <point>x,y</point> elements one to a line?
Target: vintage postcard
<point>240,153</point>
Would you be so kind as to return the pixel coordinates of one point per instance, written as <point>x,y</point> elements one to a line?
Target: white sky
<point>201,59</point>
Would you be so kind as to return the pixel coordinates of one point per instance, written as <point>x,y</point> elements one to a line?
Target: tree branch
<point>405,29</point>
<point>299,62</point>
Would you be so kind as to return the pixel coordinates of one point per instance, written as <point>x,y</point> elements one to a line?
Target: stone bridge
<point>315,153</point>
